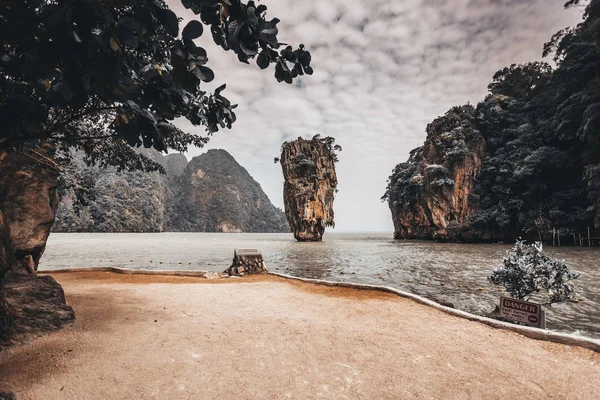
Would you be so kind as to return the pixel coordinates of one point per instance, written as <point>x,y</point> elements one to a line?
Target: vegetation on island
<point>538,172</point>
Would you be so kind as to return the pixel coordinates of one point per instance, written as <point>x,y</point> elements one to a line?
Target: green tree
<point>107,76</point>
<point>527,271</point>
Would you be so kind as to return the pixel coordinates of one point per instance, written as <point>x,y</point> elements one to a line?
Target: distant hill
<point>211,193</point>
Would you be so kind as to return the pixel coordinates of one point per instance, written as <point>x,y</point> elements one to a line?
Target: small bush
<point>527,270</point>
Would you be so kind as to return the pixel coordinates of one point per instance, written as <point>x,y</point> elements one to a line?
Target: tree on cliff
<point>539,166</point>
<point>107,76</point>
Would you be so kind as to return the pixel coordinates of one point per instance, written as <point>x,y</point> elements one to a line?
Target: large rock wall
<point>6,249</point>
<point>216,194</point>
<point>29,304</point>
<point>211,193</point>
<point>28,200</point>
<point>309,188</point>
<point>429,195</point>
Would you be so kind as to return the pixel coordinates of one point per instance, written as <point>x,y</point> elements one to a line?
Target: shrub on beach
<point>526,270</point>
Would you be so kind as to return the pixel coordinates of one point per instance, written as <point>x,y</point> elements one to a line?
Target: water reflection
<point>454,273</point>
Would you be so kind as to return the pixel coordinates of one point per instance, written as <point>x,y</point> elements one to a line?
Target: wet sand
<point>165,337</point>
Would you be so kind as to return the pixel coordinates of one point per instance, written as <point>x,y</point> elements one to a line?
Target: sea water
<point>448,272</point>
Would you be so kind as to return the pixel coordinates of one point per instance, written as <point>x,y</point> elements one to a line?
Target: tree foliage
<point>104,76</point>
<point>527,271</point>
<point>540,169</point>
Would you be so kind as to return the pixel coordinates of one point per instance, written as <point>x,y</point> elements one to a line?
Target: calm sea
<point>449,272</point>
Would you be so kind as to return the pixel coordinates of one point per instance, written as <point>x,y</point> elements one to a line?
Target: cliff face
<point>28,200</point>
<point>429,195</point>
<point>211,193</point>
<point>216,194</point>
<point>7,252</point>
<point>29,304</point>
<point>309,188</point>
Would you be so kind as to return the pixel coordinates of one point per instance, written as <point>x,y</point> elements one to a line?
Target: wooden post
<point>589,239</point>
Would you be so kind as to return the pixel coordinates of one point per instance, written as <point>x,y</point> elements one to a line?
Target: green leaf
<point>192,30</point>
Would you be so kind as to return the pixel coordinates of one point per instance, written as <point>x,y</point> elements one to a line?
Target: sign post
<point>523,312</point>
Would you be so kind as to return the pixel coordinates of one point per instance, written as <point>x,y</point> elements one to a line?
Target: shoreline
<point>530,332</point>
<point>153,336</point>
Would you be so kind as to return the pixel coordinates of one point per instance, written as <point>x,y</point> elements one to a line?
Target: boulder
<point>28,200</point>
<point>246,262</point>
<point>30,305</point>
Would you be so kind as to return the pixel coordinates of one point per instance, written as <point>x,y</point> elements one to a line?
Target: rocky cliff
<point>524,162</point>
<point>211,193</point>
<point>28,200</point>
<point>29,304</point>
<point>429,194</point>
<point>310,185</point>
<point>216,194</point>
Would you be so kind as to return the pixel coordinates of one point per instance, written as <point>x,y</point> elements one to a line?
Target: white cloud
<point>383,70</point>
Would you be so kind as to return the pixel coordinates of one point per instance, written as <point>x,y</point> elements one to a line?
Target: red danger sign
<point>522,311</point>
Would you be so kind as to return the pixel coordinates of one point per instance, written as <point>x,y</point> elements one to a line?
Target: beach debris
<point>211,275</point>
<point>246,262</point>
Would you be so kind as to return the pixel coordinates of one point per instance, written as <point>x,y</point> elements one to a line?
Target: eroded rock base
<point>310,234</point>
<point>246,262</point>
<point>30,305</point>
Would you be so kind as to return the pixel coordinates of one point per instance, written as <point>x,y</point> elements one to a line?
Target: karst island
<point>310,185</point>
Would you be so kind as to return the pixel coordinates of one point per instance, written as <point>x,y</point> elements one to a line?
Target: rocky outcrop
<point>310,185</point>
<point>429,195</point>
<point>30,305</point>
<point>28,200</point>
<point>246,262</point>
<point>7,255</point>
<point>216,194</point>
<point>211,193</point>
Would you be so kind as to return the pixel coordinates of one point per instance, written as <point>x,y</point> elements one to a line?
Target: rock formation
<point>211,193</point>
<point>7,253</point>
<point>429,194</point>
<point>246,262</point>
<point>310,185</point>
<point>29,304</point>
<point>28,200</point>
<point>216,194</point>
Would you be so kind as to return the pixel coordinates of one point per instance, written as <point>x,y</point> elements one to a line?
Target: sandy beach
<point>142,337</point>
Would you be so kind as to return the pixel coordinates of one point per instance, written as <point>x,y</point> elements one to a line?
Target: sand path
<point>143,337</point>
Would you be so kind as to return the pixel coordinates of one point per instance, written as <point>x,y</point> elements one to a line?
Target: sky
<point>383,69</point>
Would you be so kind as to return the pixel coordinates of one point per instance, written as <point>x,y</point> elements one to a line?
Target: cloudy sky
<point>383,70</point>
